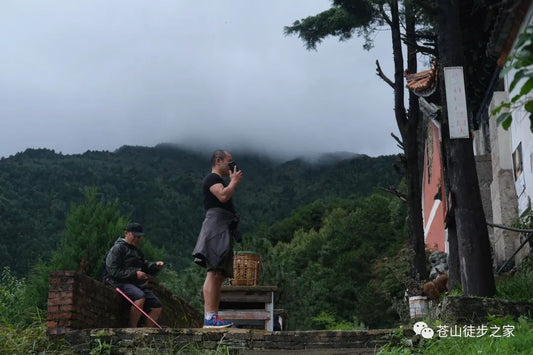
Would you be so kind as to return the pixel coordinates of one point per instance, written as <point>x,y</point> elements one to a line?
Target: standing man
<point>214,247</point>
<point>126,268</point>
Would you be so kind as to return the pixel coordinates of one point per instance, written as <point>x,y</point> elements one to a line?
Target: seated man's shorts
<point>135,293</point>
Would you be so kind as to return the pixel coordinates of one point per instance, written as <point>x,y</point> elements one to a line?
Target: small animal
<point>433,289</point>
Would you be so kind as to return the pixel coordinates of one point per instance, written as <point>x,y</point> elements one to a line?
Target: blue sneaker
<point>216,322</point>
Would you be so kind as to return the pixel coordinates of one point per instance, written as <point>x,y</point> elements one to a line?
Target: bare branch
<point>386,17</point>
<point>398,140</point>
<point>419,48</point>
<point>380,73</point>
<point>395,192</point>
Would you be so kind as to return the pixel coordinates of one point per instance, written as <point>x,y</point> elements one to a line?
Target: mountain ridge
<point>160,187</point>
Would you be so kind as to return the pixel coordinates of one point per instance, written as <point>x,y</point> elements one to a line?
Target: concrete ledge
<point>239,341</point>
<point>475,310</point>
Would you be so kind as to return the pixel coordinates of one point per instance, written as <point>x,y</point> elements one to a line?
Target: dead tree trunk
<point>408,127</point>
<point>414,141</point>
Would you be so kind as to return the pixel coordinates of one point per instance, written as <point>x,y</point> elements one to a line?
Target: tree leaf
<point>524,37</point>
<point>516,78</point>
<point>497,110</point>
<point>505,120</point>
<point>529,106</point>
<point>527,87</point>
<point>515,98</point>
<point>507,68</point>
<point>503,105</point>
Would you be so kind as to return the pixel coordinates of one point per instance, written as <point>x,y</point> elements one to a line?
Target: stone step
<point>237,341</point>
<point>332,351</point>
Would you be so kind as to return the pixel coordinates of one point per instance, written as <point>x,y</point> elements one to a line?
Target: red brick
<point>55,301</point>
<point>65,308</point>
<point>63,315</point>
<point>67,280</point>
<point>67,294</point>
<point>60,301</point>
<point>52,309</point>
<point>65,287</point>
<point>64,323</point>
<point>53,294</point>
<point>51,317</point>
<point>51,324</point>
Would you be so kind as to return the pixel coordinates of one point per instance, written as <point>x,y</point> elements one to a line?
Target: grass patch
<point>520,342</point>
<point>32,339</point>
<point>519,285</point>
<point>29,339</point>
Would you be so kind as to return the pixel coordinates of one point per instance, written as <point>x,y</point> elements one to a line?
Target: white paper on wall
<point>456,102</point>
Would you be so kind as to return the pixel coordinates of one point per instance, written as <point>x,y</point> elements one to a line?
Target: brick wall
<point>76,301</point>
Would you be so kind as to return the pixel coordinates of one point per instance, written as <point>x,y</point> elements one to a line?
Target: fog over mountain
<point>97,75</point>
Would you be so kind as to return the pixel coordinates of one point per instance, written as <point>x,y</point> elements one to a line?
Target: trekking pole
<point>136,306</point>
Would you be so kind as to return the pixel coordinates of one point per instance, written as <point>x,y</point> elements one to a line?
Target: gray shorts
<point>135,293</point>
<point>226,267</point>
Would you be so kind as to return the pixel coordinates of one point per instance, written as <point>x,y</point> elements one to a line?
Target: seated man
<point>127,269</point>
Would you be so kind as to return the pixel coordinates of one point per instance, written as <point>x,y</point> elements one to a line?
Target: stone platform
<point>231,340</point>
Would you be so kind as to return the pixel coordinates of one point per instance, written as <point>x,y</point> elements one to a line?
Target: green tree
<point>11,290</point>
<point>160,187</point>
<point>364,17</point>
<point>521,61</point>
<point>91,229</point>
<point>328,270</point>
<point>34,298</point>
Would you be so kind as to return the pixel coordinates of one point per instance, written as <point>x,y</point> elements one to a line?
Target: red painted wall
<point>433,185</point>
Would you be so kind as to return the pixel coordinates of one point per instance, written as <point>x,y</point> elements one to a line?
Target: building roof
<point>423,83</point>
<point>489,28</point>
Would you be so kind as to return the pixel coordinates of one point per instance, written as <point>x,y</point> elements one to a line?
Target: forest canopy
<point>160,188</point>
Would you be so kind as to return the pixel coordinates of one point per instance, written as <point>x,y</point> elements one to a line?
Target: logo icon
<point>421,328</point>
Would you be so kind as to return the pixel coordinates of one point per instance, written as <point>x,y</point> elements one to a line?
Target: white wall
<point>521,135</point>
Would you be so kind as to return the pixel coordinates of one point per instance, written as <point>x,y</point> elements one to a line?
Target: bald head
<point>218,154</point>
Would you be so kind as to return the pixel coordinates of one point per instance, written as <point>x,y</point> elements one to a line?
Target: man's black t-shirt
<point>210,200</point>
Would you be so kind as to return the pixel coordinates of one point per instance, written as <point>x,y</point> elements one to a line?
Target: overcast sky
<point>78,75</point>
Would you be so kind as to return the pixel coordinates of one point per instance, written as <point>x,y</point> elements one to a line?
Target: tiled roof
<point>423,83</point>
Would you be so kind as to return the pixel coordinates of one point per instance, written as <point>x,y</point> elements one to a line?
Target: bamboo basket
<point>246,269</point>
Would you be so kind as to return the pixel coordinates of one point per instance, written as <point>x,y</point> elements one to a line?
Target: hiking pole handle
<point>139,308</point>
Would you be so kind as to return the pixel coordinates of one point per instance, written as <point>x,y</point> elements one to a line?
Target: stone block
<point>475,310</point>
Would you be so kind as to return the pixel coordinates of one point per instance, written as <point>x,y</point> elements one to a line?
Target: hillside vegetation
<point>160,187</point>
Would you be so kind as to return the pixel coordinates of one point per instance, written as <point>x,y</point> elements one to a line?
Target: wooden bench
<point>248,306</point>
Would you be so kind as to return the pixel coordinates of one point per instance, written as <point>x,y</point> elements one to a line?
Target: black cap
<point>135,228</point>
